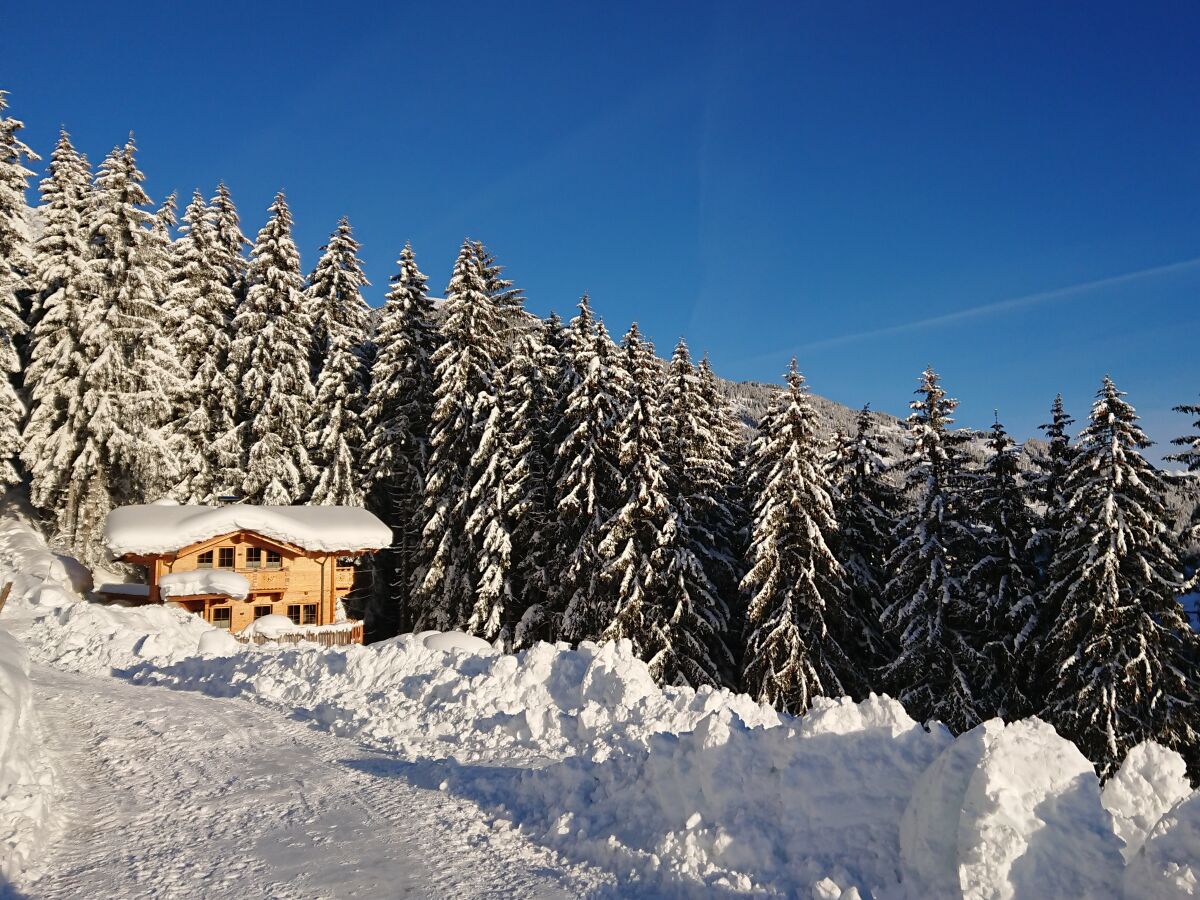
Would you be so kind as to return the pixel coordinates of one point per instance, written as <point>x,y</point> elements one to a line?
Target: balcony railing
<point>266,579</point>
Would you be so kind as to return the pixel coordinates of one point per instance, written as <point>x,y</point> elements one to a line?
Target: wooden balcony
<point>266,579</point>
<point>343,579</point>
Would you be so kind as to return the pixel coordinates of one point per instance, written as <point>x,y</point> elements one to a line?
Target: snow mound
<point>153,528</point>
<point>217,642</point>
<point>1150,781</point>
<point>1008,812</point>
<point>96,639</point>
<point>270,626</point>
<point>1167,867</point>
<point>27,779</point>
<point>204,581</point>
<point>457,641</point>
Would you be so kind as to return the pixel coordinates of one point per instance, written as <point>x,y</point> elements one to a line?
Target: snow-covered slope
<point>675,792</point>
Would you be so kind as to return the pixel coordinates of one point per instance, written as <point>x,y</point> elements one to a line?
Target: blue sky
<point>1007,191</point>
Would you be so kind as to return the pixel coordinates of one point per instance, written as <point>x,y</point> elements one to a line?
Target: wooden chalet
<point>235,564</point>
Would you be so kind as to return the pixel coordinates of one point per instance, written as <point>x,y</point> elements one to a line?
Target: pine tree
<point>796,586</point>
<point>507,298</point>
<point>464,418</point>
<point>1046,491</point>
<point>270,354</point>
<point>16,266</point>
<point>700,471</point>
<point>203,302</point>
<point>130,374</point>
<point>1045,486</point>
<point>865,507</point>
<point>928,611</point>
<point>228,454</point>
<point>53,376</point>
<point>229,241</point>
<point>1190,457</point>
<point>652,589</point>
<point>589,484</point>
<point>1003,578</point>
<point>338,316</point>
<point>399,406</point>
<point>1121,633</point>
<point>334,299</point>
<point>528,401</point>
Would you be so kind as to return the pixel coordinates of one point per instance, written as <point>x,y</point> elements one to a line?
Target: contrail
<point>1000,306</point>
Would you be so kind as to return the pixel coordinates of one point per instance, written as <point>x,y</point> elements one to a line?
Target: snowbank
<point>1006,812</point>
<point>1150,781</point>
<point>204,581</point>
<point>162,528</point>
<point>27,778</point>
<point>1167,867</point>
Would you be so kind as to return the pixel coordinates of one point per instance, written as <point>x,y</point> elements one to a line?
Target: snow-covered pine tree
<point>16,267</point>
<point>542,536</point>
<point>203,302</point>
<point>528,402</point>
<point>334,299</point>
<point>929,615</point>
<point>1003,579</point>
<point>730,518</point>
<point>230,243</point>
<point>500,289</point>
<point>797,589</point>
<point>338,315</point>
<point>1116,648</point>
<point>131,377</point>
<point>699,472</point>
<point>589,484</point>
<point>1191,456</point>
<point>270,355</point>
<point>1045,486</point>
<point>865,506</point>
<point>1052,513</point>
<point>162,230</point>
<point>52,378</point>
<point>652,588</point>
<point>396,421</point>
<point>464,418</point>
<point>228,246</point>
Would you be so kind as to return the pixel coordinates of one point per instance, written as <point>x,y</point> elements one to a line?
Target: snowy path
<point>171,794</point>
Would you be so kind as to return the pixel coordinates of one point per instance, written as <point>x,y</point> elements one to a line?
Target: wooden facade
<point>284,579</point>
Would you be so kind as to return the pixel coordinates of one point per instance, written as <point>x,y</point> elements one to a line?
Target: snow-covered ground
<point>432,764</point>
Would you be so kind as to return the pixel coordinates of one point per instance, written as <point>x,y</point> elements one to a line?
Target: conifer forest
<point>564,480</point>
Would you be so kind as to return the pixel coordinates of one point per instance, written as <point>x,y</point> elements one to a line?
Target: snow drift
<point>26,774</point>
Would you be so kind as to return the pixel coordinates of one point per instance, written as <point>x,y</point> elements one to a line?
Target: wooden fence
<point>338,637</point>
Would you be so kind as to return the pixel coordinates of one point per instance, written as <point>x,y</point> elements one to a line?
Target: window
<point>253,557</point>
<point>204,560</point>
<point>260,611</point>
<point>222,616</point>
<point>274,560</point>
<point>345,563</point>
<point>294,613</point>
<point>310,614</point>
<point>225,558</point>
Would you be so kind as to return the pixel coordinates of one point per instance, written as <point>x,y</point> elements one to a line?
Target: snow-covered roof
<point>202,582</point>
<point>164,528</point>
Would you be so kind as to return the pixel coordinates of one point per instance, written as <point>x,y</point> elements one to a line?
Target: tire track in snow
<point>173,794</point>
